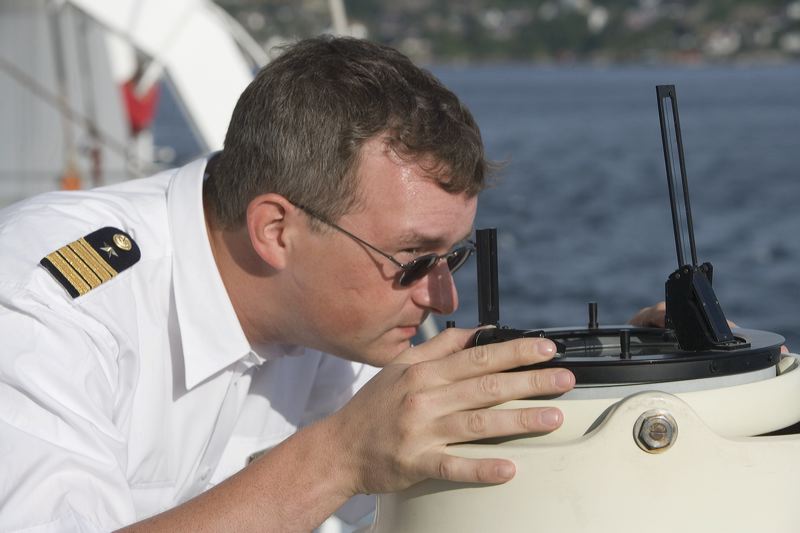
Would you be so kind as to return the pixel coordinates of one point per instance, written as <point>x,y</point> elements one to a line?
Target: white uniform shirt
<point>143,392</point>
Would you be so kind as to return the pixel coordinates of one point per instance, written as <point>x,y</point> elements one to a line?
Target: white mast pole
<point>339,16</point>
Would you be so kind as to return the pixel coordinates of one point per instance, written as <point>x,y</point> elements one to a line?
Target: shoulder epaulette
<point>82,265</point>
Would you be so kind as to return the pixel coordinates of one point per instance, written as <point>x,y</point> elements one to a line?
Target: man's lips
<point>408,331</point>
<point>411,329</point>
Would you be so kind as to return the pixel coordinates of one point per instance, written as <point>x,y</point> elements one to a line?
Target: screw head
<point>655,431</point>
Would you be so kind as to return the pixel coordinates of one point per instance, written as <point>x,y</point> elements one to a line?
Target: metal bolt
<point>655,431</point>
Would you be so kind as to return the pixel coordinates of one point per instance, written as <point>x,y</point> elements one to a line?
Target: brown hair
<point>298,128</point>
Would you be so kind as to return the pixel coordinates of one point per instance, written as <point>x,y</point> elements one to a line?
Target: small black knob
<point>625,344</point>
<point>592,315</point>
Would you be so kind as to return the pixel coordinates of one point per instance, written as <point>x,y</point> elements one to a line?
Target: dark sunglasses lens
<point>416,269</point>
<point>458,257</point>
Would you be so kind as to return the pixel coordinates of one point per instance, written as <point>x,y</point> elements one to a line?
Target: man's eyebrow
<point>420,240</point>
<point>468,235</point>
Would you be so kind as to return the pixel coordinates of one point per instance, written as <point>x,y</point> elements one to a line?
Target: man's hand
<point>397,428</point>
<point>650,317</point>
<point>655,317</point>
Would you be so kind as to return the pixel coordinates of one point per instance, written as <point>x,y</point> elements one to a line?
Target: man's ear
<point>270,228</point>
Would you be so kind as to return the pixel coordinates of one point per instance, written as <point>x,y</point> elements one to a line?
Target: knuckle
<point>476,422</point>
<point>489,385</point>
<point>525,419</point>
<point>416,374</point>
<point>413,402</point>
<point>479,356</point>
<point>444,469</point>
<point>520,352</point>
<point>452,334</point>
<point>536,381</point>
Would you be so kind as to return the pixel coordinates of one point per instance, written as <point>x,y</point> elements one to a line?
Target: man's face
<point>351,304</point>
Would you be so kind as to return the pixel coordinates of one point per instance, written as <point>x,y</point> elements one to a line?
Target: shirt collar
<point>211,335</point>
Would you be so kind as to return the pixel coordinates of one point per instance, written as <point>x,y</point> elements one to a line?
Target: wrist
<point>340,455</point>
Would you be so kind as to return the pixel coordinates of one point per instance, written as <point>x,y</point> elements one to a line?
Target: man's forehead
<point>416,165</point>
<point>400,195</point>
<point>384,175</point>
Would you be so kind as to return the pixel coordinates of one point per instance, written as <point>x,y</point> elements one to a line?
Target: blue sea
<point>581,205</point>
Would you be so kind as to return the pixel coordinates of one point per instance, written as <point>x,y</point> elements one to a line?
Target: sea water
<point>581,203</point>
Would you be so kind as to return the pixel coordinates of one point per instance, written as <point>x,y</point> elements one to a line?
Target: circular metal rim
<point>761,349</point>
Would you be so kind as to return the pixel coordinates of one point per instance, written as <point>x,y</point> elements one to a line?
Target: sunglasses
<point>418,267</point>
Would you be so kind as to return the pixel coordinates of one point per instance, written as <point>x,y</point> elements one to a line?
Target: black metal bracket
<point>488,296</point>
<point>693,310</point>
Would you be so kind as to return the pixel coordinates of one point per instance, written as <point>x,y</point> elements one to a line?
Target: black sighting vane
<point>664,92</point>
<point>488,296</point>
<point>693,310</point>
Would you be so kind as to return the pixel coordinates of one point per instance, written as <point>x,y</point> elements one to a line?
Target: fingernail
<point>505,471</point>
<point>546,347</point>
<point>551,417</point>
<point>563,380</point>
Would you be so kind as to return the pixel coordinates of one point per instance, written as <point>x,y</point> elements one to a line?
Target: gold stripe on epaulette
<point>96,269</point>
<point>100,259</point>
<point>69,273</point>
<point>83,269</point>
<point>93,259</point>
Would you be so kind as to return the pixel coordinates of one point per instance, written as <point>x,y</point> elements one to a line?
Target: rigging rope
<point>38,90</point>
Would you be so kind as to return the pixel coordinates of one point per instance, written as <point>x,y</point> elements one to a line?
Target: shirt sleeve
<point>61,457</point>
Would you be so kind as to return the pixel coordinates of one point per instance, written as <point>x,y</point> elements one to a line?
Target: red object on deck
<point>141,109</point>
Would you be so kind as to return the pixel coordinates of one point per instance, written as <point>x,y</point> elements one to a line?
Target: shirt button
<point>204,472</point>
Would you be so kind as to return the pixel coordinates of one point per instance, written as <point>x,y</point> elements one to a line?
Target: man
<point>189,344</point>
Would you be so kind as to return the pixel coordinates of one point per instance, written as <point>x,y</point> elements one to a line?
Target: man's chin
<point>377,354</point>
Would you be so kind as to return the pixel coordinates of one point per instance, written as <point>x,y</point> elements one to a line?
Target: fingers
<point>460,469</point>
<point>486,423</point>
<point>496,388</point>
<point>490,358</point>
<point>445,343</point>
<point>654,316</point>
<point>437,394</point>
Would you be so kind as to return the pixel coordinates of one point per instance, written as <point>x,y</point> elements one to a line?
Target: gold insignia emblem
<point>109,250</point>
<point>87,263</point>
<point>122,242</point>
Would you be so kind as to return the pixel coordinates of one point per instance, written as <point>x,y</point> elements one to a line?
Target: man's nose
<point>437,291</point>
